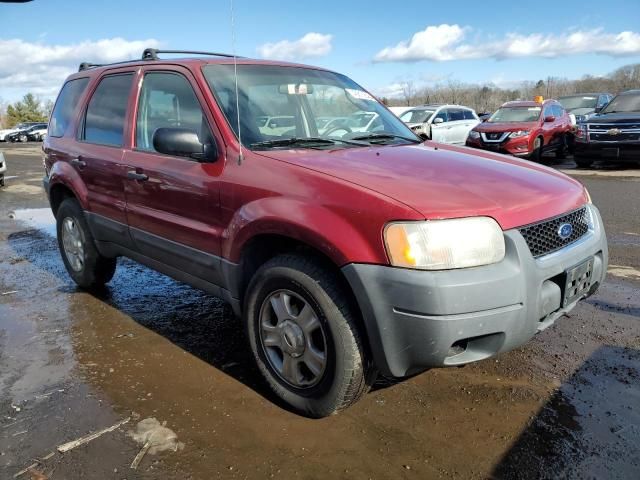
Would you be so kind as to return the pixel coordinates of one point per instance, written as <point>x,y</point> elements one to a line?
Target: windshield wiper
<point>385,136</point>
<point>302,141</point>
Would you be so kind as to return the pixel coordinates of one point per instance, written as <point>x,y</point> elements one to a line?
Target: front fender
<point>62,173</point>
<point>318,226</point>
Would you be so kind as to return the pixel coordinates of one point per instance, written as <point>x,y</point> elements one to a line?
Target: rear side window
<point>107,109</point>
<point>468,115</point>
<point>455,115</point>
<point>66,105</point>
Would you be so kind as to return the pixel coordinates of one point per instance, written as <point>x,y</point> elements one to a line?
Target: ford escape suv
<point>347,253</point>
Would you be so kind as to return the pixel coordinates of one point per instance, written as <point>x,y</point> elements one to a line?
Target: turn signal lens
<point>445,244</point>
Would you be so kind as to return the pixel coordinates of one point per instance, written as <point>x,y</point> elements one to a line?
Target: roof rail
<point>87,66</point>
<point>152,53</point>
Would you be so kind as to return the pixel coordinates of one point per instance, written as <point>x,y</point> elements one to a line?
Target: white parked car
<point>397,111</point>
<point>441,123</point>
<point>3,168</point>
<point>19,127</point>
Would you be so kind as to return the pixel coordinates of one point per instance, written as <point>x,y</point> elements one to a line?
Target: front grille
<point>494,135</point>
<point>544,237</point>
<point>612,132</point>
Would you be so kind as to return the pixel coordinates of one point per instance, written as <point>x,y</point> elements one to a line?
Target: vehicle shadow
<point>193,320</point>
<point>590,428</point>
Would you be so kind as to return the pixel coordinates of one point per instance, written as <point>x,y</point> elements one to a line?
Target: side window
<point>66,105</point>
<point>602,101</point>
<point>455,114</point>
<point>167,100</point>
<point>441,114</point>
<point>548,111</point>
<point>558,111</point>
<point>468,115</point>
<point>107,109</point>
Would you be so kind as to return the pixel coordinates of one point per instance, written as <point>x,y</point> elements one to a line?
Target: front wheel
<point>302,332</point>
<point>81,258</point>
<point>582,162</point>
<point>536,153</point>
<point>23,139</point>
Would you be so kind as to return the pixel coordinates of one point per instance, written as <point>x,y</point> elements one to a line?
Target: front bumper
<point>420,319</point>
<point>613,151</point>
<point>511,146</point>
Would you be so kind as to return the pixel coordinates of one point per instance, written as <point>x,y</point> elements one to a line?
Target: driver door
<point>172,202</point>
<point>440,131</point>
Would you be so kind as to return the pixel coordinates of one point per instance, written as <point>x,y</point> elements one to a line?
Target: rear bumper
<point>616,152</point>
<point>419,319</point>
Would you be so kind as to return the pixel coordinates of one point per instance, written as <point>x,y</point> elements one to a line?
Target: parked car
<point>346,256</point>
<point>525,129</point>
<point>24,135</point>
<point>38,134</point>
<point>397,111</point>
<point>484,116</point>
<point>3,169</point>
<point>584,105</point>
<point>21,126</point>
<point>441,123</point>
<point>613,135</point>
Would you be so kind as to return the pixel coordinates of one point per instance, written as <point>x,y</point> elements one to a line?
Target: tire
<point>86,266</point>
<point>308,284</point>
<point>563,149</point>
<point>583,162</point>
<point>536,155</point>
<point>23,139</point>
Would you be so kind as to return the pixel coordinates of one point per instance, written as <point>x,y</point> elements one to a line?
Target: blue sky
<point>472,42</point>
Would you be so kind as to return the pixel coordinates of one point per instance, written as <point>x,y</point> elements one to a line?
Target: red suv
<point>525,129</point>
<point>347,252</point>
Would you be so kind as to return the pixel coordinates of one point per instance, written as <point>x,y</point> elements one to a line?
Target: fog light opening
<point>457,348</point>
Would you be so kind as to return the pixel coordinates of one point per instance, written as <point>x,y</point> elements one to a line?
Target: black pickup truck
<point>612,135</point>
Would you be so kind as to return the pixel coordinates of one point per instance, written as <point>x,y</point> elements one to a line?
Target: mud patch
<point>22,188</point>
<point>624,272</point>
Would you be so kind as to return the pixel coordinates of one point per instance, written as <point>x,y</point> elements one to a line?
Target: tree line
<point>487,98</point>
<point>29,109</point>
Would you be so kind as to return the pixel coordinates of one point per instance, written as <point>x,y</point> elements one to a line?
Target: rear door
<point>172,201</point>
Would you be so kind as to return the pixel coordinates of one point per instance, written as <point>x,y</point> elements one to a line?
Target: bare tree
<point>408,91</point>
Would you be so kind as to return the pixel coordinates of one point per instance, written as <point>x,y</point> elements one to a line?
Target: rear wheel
<point>81,258</point>
<point>563,149</point>
<point>303,335</point>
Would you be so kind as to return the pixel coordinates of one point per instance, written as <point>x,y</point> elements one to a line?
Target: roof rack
<point>152,53</point>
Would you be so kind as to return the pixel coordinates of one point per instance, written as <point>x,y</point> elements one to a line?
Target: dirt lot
<point>566,405</point>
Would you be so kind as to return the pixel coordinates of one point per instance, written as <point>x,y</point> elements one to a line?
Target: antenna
<point>235,75</point>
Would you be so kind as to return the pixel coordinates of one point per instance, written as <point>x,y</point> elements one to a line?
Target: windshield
<point>277,102</point>
<point>515,114</point>
<point>571,103</point>
<point>623,103</point>
<point>416,116</point>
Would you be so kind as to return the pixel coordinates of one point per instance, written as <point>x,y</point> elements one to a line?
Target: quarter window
<point>468,115</point>
<point>66,105</point>
<point>107,109</point>
<point>168,101</point>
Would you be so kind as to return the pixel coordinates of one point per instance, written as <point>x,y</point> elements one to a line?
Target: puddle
<point>38,218</point>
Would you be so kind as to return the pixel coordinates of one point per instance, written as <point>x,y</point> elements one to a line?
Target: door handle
<point>133,175</point>
<point>77,162</point>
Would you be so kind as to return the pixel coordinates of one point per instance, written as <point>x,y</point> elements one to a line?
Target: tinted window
<point>557,111</point>
<point>66,105</point>
<point>468,115</point>
<point>104,121</point>
<point>168,101</point>
<point>455,114</point>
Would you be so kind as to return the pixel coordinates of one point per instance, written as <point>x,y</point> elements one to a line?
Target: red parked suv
<point>525,129</point>
<point>347,252</point>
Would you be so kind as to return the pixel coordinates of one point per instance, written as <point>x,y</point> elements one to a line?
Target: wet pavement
<point>566,405</point>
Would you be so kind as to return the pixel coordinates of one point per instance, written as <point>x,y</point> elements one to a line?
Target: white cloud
<point>41,68</point>
<point>447,42</point>
<point>311,45</point>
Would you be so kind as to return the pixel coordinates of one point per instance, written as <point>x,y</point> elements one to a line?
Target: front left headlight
<point>474,135</point>
<point>444,244</point>
<point>519,133</point>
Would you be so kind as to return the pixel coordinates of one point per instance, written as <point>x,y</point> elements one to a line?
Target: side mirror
<point>182,142</point>
<point>599,109</point>
<point>438,120</point>
<point>550,118</point>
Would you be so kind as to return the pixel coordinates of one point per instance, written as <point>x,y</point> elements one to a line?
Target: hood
<point>614,118</point>
<point>444,181</point>
<point>581,111</point>
<point>505,127</point>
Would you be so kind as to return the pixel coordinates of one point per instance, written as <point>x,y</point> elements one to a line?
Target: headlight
<point>473,134</point>
<point>586,193</point>
<point>519,133</point>
<point>444,244</point>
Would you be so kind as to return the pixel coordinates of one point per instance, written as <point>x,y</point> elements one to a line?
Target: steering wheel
<point>337,128</point>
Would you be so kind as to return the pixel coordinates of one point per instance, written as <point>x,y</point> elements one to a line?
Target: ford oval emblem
<point>565,231</point>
